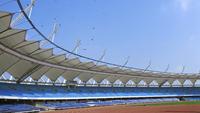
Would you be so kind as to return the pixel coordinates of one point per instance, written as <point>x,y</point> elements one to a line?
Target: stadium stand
<point>20,108</point>
<point>191,98</point>
<point>23,58</point>
<point>42,92</point>
<point>70,105</point>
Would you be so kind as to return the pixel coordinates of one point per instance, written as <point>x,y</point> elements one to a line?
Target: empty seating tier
<point>192,98</point>
<point>18,108</point>
<point>70,105</point>
<point>44,92</point>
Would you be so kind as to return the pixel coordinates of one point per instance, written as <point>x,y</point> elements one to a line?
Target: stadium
<point>24,62</point>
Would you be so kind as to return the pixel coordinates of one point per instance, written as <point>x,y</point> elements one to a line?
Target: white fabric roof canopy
<point>23,58</point>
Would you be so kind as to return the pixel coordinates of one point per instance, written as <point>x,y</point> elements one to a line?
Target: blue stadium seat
<point>12,108</point>
<point>20,91</point>
<point>68,105</point>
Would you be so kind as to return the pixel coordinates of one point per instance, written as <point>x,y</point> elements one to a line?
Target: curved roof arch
<point>24,58</point>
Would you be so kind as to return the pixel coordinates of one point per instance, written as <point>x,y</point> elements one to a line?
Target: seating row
<point>24,91</point>
<point>20,108</point>
<point>70,105</point>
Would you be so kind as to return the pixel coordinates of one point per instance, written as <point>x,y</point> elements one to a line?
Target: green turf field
<point>170,103</point>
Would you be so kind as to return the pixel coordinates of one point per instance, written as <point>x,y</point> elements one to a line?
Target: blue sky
<point>163,31</point>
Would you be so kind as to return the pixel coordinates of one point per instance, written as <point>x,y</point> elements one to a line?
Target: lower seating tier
<point>72,105</point>
<point>44,92</point>
<point>18,108</point>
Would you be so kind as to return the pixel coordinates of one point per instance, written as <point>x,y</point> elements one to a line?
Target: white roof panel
<point>71,62</point>
<point>85,76</point>
<point>4,21</point>
<point>42,54</point>
<point>20,68</point>
<point>54,73</point>
<point>70,75</point>
<point>13,40</point>
<point>6,61</point>
<point>57,58</point>
<point>39,73</point>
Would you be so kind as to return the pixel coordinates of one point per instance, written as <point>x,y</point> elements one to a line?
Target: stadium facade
<point>24,59</point>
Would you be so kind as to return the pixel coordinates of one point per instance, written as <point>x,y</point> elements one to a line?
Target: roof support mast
<point>27,10</point>
<point>75,49</point>
<point>102,56</point>
<point>126,62</point>
<point>149,65</point>
<point>52,35</point>
<point>166,70</point>
<point>183,69</point>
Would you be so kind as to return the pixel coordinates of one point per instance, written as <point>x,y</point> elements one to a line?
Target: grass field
<point>173,103</point>
<point>165,107</point>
